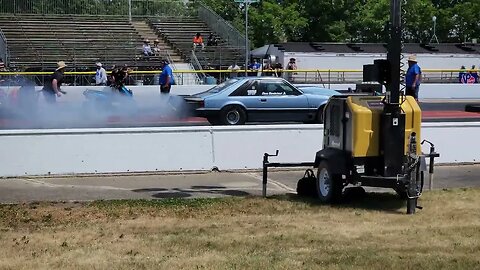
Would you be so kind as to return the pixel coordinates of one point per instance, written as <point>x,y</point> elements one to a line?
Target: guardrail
<point>197,66</point>
<point>314,76</point>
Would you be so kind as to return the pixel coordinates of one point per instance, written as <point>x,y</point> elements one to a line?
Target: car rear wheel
<point>233,115</point>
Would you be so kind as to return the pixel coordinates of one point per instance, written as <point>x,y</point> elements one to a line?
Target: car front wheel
<point>233,115</point>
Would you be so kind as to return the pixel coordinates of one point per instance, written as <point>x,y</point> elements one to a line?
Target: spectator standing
<point>147,49</point>
<point>254,68</point>
<point>212,40</point>
<point>278,69</point>
<point>462,73</point>
<point>413,77</point>
<point>474,73</point>
<point>292,65</point>
<point>166,78</point>
<point>267,69</point>
<point>51,90</point>
<point>198,41</point>
<point>100,75</point>
<point>233,68</point>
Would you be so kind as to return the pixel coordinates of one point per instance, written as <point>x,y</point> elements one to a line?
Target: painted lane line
<point>50,185</point>
<point>273,182</point>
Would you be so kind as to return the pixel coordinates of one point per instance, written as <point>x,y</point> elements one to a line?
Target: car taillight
<point>201,103</point>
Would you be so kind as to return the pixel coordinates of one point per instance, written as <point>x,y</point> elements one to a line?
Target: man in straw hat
<point>51,90</point>
<point>413,77</point>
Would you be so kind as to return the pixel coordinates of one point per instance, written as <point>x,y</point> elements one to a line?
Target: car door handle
<point>263,100</point>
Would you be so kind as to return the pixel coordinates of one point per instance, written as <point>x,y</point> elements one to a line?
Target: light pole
<point>246,36</point>
<point>434,19</point>
<point>130,10</point>
<point>247,49</point>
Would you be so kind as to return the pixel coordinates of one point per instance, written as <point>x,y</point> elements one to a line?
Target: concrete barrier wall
<point>40,152</point>
<point>145,94</point>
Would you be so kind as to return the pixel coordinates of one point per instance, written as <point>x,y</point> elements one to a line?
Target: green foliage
<point>274,21</point>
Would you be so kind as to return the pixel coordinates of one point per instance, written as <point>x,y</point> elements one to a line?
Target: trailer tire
<point>329,185</point>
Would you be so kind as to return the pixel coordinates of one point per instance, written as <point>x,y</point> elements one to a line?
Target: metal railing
<point>96,7</point>
<point>197,66</point>
<point>226,31</point>
<point>322,77</point>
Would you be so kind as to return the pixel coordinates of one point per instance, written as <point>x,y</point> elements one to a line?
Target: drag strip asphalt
<point>184,185</point>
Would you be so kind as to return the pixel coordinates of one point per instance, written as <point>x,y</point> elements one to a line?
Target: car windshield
<point>222,86</point>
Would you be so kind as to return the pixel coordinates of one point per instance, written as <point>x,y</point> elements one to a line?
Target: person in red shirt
<point>198,41</point>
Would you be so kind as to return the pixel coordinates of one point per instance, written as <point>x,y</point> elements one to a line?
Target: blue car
<point>260,99</point>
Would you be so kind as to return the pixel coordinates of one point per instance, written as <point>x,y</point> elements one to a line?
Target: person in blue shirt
<point>413,77</point>
<point>166,78</point>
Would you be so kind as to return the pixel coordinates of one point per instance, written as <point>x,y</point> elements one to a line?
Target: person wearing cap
<point>413,77</point>
<point>166,78</point>
<point>147,49</point>
<point>51,89</point>
<point>100,75</point>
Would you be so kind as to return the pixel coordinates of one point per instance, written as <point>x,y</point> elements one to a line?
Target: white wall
<point>357,60</point>
<point>39,152</point>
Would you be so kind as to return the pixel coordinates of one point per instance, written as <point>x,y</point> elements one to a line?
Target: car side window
<point>249,88</point>
<point>288,89</point>
<point>278,88</point>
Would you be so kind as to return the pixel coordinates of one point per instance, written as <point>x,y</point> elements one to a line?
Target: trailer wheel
<point>329,185</point>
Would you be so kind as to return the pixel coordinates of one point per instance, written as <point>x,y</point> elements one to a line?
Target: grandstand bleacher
<point>38,42</point>
<point>179,32</point>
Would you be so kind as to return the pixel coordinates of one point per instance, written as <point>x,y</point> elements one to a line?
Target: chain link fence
<point>97,7</point>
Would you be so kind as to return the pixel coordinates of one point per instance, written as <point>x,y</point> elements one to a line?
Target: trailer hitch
<point>267,164</point>
<point>265,171</point>
<point>432,155</point>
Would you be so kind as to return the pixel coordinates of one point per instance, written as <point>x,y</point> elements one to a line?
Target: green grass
<point>281,232</point>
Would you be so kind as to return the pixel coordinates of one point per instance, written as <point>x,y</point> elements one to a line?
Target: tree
<point>272,22</point>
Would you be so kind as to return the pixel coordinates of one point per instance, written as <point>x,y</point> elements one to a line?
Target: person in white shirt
<point>100,75</point>
<point>234,68</point>
<point>147,49</point>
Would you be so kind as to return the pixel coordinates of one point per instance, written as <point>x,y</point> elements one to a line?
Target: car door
<point>248,95</point>
<point>281,101</point>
